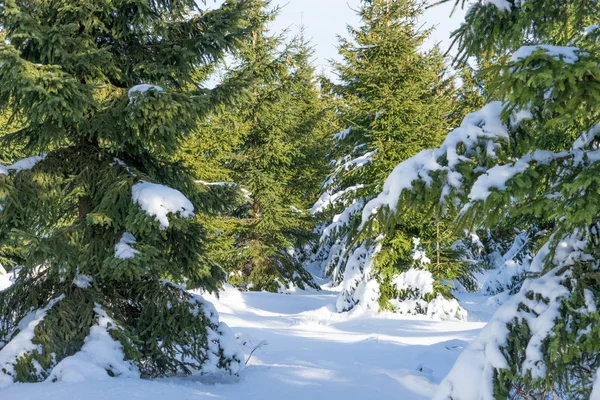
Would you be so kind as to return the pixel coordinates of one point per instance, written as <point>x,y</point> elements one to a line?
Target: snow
<point>446,309</point>
<point>418,254</point>
<point>509,267</point>
<point>402,178</point>
<point>349,162</point>
<point>220,341</point>
<point>565,53</point>
<point>83,281</point>
<point>342,219</point>
<point>502,5</point>
<point>123,250</point>
<point>359,287</point>
<point>26,163</point>
<point>4,279</point>
<point>497,176</point>
<point>138,90</point>
<point>416,280</point>
<point>297,211</point>
<point>415,284</point>
<point>304,350</point>
<point>247,194</point>
<point>327,199</point>
<point>587,138</point>
<point>483,125</point>
<point>590,29</point>
<point>228,184</point>
<point>22,165</point>
<point>595,395</point>
<point>158,201</point>
<point>100,353</point>
<point>21,343</point>
<point>589,301</point>
<point>358,162</point>
<point>541,309</point>
<point>122,164</point>
<point>520,116</point>
<point>342,135</point>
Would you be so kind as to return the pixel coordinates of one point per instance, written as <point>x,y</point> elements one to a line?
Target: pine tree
<point>105,91</point>
<point>470,94</point>
<point>508,249</point>
<point>395,101</point>
<point>275,150</point>
<point>7,153</point>
<point>553,79</point>
<point>531,154</point>
<point>384,78</point>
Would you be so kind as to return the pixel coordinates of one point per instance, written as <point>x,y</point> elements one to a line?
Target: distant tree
<point>271,145</point>
<point>395,100</point>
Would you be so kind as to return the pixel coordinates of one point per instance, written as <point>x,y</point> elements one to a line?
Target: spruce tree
<point>547,343</point>
<point>507,249</point>
<point>394,100</point>
<point>275,145</point>
<point>105,91</point>
<point>531,154</point>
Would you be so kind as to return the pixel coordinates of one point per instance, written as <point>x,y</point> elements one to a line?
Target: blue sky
<point>324,19</point>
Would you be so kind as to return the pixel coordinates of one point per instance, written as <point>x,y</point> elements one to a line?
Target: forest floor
<point>304,351</point>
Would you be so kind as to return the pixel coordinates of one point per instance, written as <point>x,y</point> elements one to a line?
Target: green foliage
<point>394,97</point>
<point>271,145</point>
<point>395,100</point>
<point>570,351</point>
<point>469,96</point>
<point>66,71</point>
<point>552,182</point>
<point>437,239</point>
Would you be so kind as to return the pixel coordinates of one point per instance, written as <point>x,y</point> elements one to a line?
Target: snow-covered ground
<point>305,351</point>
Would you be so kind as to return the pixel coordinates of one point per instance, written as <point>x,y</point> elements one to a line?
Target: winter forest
<point>191,209</point>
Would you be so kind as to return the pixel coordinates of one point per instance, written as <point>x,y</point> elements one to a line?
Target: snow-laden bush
<point>415,291</point>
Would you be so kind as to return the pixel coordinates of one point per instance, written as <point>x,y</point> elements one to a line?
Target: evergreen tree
<point>470,94</point>
<point>105,91</point>
<point>7,153</point>
<point>395,101</point>
<point>532,155</point>
<point>275,144</point>
<point>553,76</point>
<point>507,249</point>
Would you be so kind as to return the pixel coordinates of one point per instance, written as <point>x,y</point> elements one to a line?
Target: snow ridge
<point>22,165</point>
<point>484,355</point>
<point>100,353</point>
<point>22,342</point>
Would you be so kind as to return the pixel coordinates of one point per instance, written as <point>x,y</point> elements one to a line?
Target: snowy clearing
<point>307,352</point>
